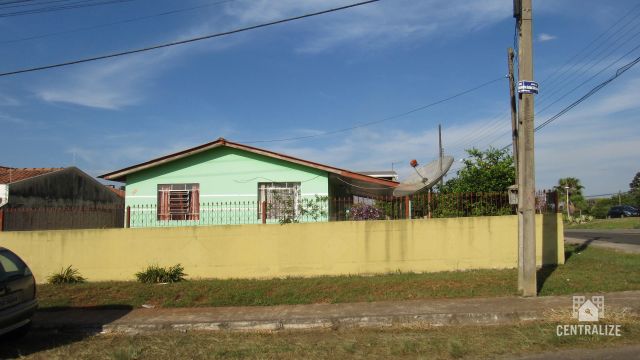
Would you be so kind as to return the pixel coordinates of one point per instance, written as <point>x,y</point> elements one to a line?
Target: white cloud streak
<point>543,37</point>
<point>379,24</point>
<point>118,83</point>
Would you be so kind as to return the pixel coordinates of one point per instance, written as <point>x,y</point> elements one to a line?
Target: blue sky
<point>315,75</point>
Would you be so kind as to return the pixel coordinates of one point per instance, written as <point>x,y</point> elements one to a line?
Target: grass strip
<point>464,342</point>
<point>608,224</point>
<point>586,270</point>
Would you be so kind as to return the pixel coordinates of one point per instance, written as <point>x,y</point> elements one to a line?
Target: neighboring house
<point>382,174</point>
<point>29,197</point>
<point>224,182</point>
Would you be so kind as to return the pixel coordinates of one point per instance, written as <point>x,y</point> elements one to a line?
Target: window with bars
<point>179,202</point>
<point>282,199</point>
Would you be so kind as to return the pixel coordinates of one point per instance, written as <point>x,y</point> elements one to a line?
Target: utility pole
<point>516,162</point>
<point>526,186</point>
<point>441,151</point>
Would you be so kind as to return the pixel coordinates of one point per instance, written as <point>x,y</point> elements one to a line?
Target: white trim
<point>312,194</point>
<point>141,196</point>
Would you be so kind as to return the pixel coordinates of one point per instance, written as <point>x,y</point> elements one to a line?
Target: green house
<point>223,182</point>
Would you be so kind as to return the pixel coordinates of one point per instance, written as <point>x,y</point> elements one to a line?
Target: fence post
<point>128,220</point>
<point>263,211</point>
<point>1,219</point>
<point>407,207</point>
<point>429,204</point>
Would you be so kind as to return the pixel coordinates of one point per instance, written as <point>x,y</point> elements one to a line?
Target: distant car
<point>17,294</point>
<point>623,211</point>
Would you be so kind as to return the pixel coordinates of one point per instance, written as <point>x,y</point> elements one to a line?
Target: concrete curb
<point>412,313</point>
<point>461,319</point>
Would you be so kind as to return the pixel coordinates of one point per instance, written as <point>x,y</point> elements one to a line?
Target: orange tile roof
<point>10,175</point>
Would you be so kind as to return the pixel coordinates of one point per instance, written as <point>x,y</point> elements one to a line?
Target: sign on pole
<point>527,87</point>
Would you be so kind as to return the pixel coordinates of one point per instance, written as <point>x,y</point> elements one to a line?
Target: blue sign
<point>527,87</point>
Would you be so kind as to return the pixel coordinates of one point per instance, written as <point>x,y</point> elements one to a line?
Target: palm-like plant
<point>575,189</point>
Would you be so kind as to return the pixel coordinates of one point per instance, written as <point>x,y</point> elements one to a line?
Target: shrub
<point>581,219</point>
<point>66,276</point>
<point>362,211</point>
<point>154,274</point>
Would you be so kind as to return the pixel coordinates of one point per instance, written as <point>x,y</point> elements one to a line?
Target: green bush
<point>581,219</point>
<point>66,276</point>
<point>154,274</point>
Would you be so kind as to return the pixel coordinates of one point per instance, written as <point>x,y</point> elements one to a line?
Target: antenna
<point>426,176</point>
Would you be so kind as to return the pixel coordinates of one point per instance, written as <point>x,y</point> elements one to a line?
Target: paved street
<point>630,236</point>
<point>621,240</point>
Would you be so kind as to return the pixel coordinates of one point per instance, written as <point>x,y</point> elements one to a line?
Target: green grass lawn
<point>608,224</point>
<point>459,342</point>
<point>589,270</point>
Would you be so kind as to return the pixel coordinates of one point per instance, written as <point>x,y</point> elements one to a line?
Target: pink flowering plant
<point>361,211</point>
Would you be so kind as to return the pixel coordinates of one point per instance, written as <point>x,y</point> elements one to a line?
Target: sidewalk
<point>438,312</point>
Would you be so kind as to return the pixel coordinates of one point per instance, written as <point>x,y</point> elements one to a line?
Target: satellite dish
<point>425,177</point>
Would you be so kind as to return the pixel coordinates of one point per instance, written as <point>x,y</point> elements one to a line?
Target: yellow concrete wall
<point>264,251</point>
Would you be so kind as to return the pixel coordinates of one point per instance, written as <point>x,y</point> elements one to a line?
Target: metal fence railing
<point>427,205</point>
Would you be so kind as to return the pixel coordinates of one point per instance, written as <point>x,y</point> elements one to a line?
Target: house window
<point>282,199</point>
<point>179,202</point>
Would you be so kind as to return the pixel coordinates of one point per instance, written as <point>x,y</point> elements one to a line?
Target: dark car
<point>17,294</point>
<point>623,211</point>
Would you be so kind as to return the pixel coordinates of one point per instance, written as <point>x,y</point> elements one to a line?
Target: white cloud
<point>6,100</point>
<point>12,119</point>
<point>377,24</point>
<point>109,85</point>
<point>543,37</point>
<point>116,83</point>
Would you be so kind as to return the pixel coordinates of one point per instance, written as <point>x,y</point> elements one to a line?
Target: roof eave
<point>120,175</point>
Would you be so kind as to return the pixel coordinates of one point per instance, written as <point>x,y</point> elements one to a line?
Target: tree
<point>635,183</point>
<point>575,192</point>
<point>491,170</point>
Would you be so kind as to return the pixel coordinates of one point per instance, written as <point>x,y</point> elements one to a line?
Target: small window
<point>179,202</point>
<point>282,199</point>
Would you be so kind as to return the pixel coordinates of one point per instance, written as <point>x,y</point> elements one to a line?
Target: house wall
<point>225,175</point>
<point>310,249</point>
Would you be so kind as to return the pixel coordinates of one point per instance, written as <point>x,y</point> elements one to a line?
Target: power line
<point>33,3</point>
<point>180,42</point>
<point>567,68</point>
<point>590,93</point>
<point>125,21</point>
<point>580,85</point>
<point>593,63</point>
<point>619,72</point>
<point>590,78</point>
<point>380,120</point>
<point>76,5</point>
<point>594,41</point>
